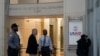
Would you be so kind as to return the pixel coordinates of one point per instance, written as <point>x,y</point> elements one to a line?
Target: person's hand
<point>17,48</point>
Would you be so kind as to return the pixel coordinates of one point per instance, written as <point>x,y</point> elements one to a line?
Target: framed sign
<point>75,31</point>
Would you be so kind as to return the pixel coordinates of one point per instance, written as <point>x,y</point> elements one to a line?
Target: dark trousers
<point>45,51</point>
<point>12,52</point>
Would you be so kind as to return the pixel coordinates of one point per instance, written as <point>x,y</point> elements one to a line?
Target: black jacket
<point>32,45</point>
<point>83,47</point>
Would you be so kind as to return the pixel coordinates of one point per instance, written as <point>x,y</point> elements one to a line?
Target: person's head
<point>34,31</point>
<point>83,36</point>
<point>44,32</point>
<point>14,27</point>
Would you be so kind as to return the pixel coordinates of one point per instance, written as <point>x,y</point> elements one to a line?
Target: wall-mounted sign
<point>75,31</point>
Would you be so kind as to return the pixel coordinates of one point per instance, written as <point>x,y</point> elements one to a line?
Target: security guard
<point>13,41</point>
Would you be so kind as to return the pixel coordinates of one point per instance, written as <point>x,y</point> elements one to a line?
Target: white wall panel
<point>36,9</point>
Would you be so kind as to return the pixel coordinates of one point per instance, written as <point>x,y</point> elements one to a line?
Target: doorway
<point>54,27</point>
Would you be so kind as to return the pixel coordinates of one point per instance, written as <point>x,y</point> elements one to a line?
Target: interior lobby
<point>54,26</point>
<point>59,17</point>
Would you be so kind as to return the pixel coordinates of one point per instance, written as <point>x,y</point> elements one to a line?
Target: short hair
<point>14,25</point>
<point>34,29</point>
<point>83,35</point>
<point>44,29</point>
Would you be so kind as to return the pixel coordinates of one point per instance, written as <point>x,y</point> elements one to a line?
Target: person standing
<point>13,41</point>
<point>32,44</point>
<point>45,44</point>
<point>83,45</point>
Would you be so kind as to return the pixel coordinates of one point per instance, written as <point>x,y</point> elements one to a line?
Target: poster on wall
<point>75,31</point>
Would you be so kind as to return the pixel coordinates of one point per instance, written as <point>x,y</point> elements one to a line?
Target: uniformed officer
<point>13,41</point>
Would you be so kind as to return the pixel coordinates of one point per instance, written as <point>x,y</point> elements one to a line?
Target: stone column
<point>65,39</point>
<point>2,18</point>
<point>4,6</point>
<point>75,9</point>
<point>95,29</point>
<point>98,29</point>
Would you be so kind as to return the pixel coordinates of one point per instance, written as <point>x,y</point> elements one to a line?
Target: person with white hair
<point>32,44</point>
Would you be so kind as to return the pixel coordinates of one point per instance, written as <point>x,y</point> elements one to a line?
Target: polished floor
<point>55,53</point>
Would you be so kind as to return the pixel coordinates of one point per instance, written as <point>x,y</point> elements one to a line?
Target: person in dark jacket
<point>83,46</point>
<point>32,44</point>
